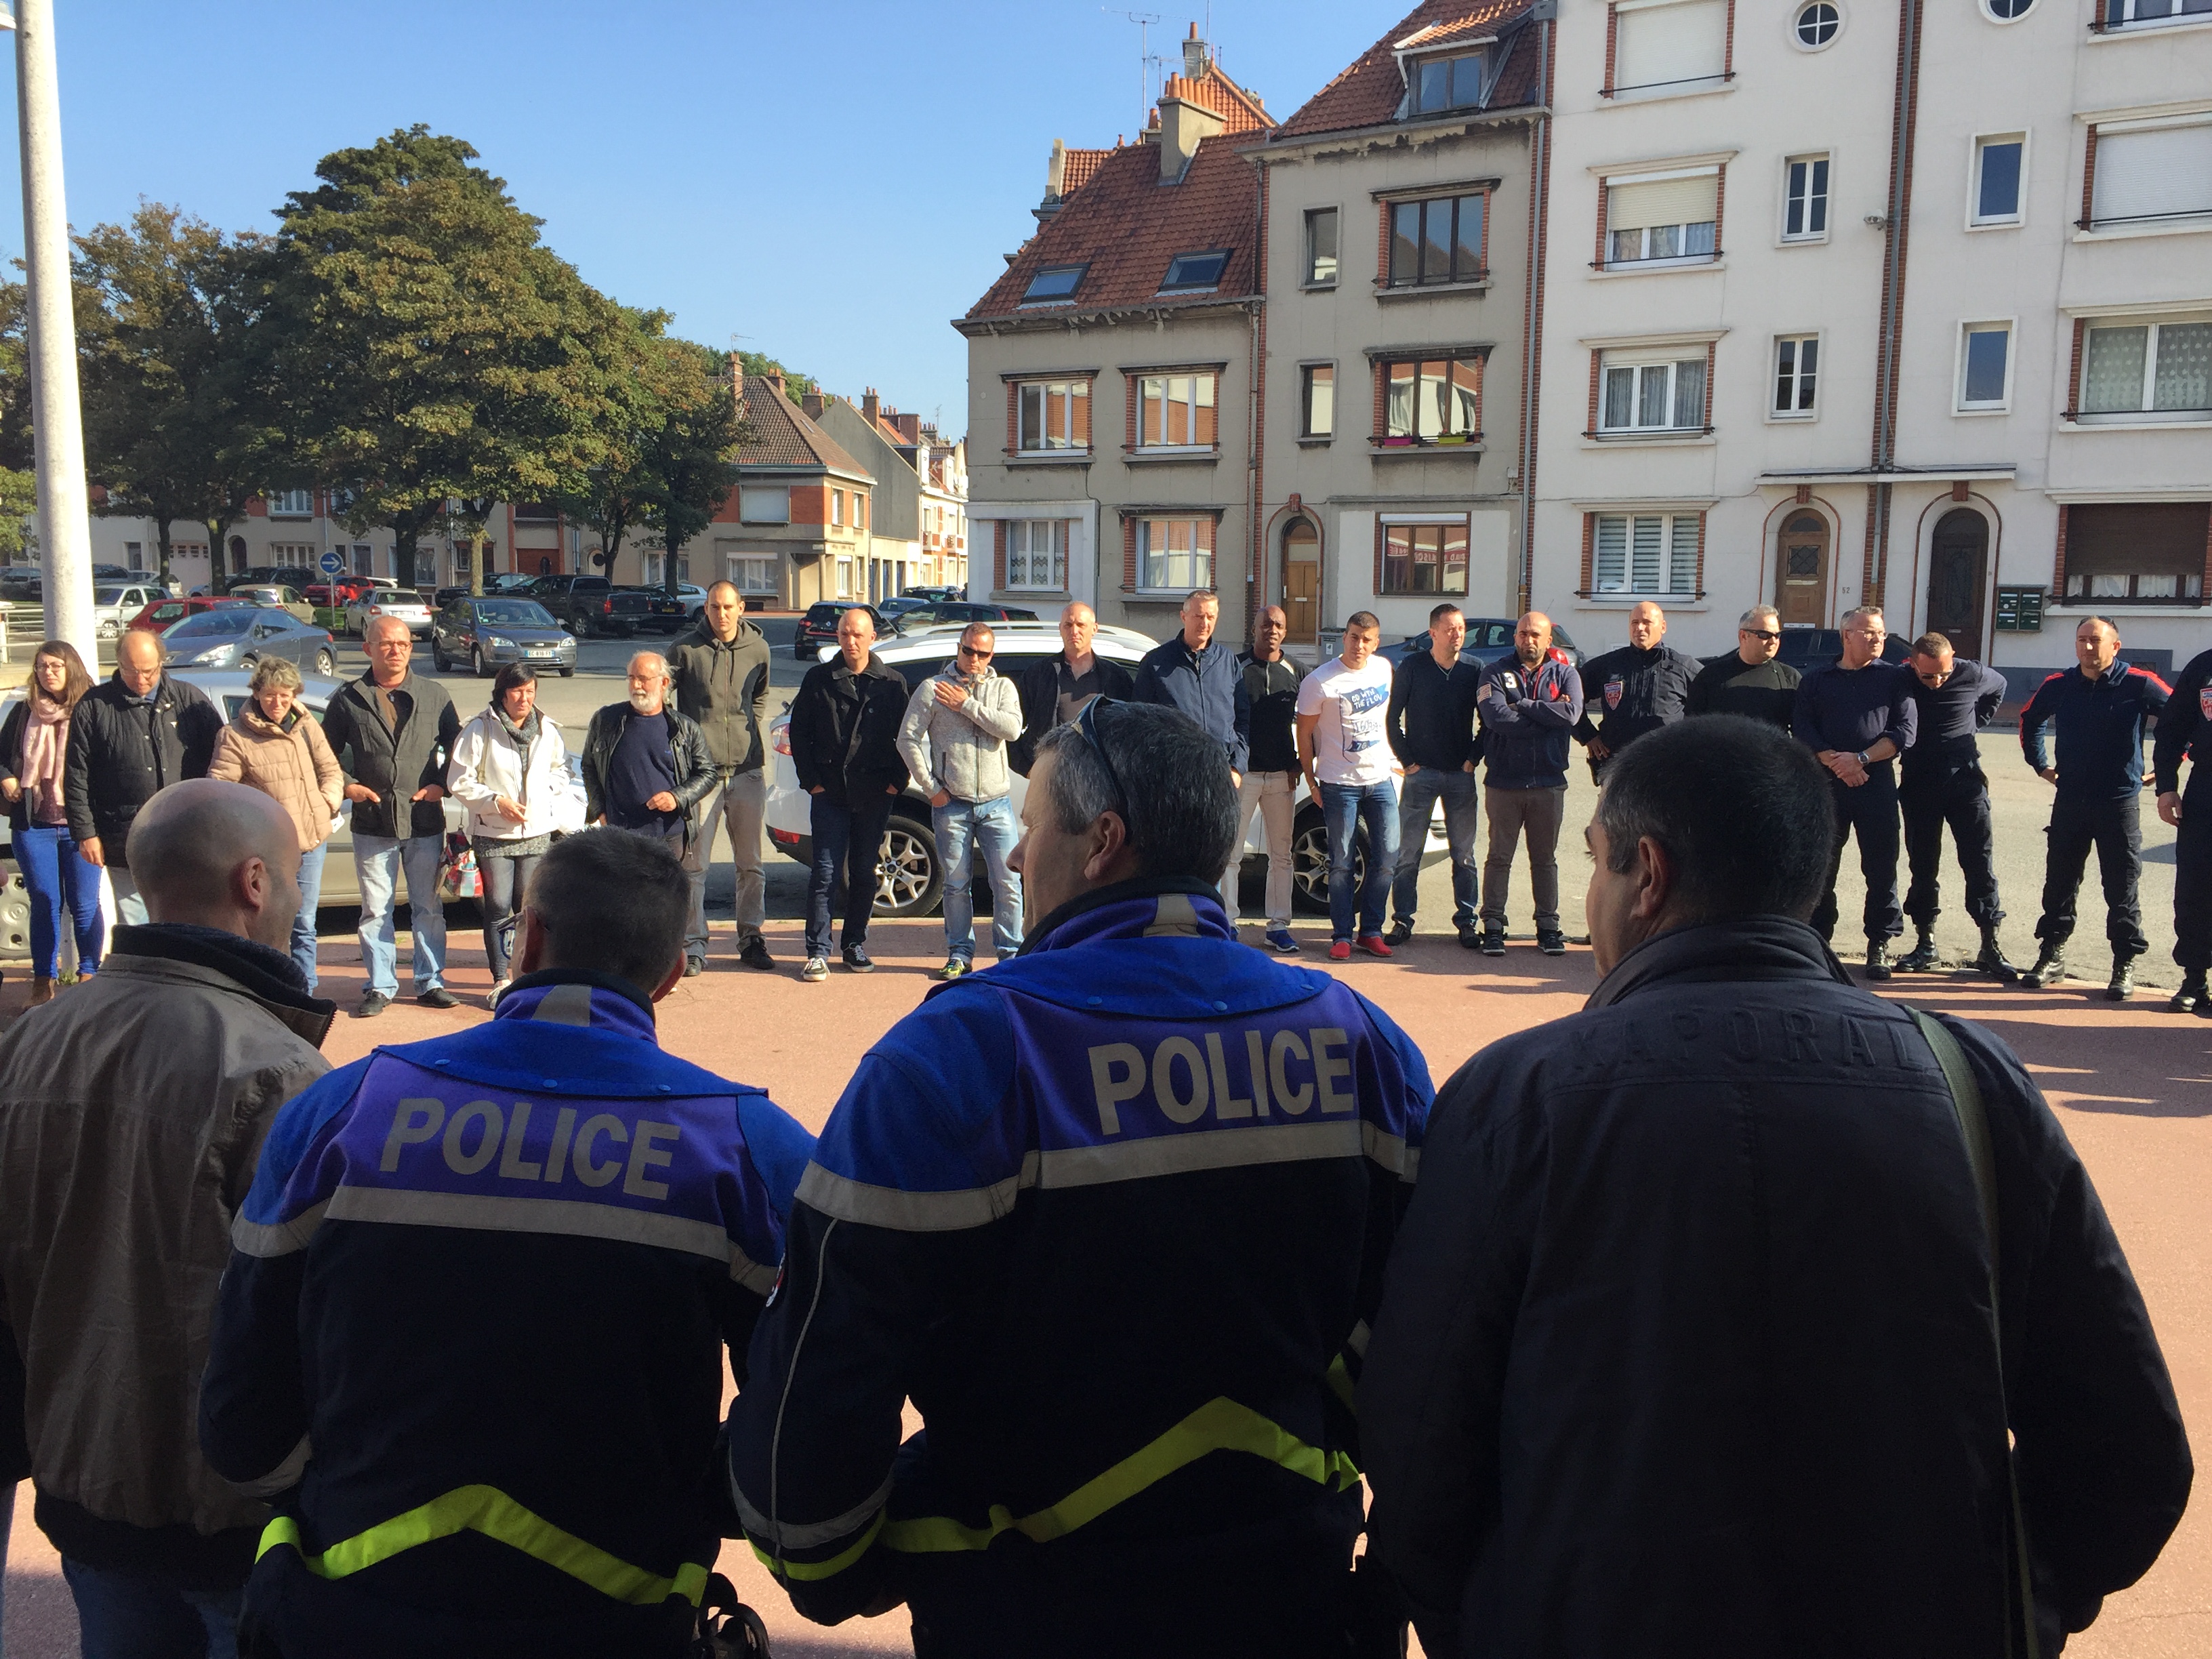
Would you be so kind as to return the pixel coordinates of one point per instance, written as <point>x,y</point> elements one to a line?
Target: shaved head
<point>219,854</point>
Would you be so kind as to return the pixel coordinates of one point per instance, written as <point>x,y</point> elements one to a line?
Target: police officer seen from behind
<point>1053,691</point>
<point>1112,1216</point>
<point>1941,783</point>
<point>1433,733</point>
<point>1528,703</point>
<point>1628,693</point>
<point>2184,732</point>
<point>1857,715</point>
<point>471,1334</point>
<point>1271,773</point>
<point>1688,1347</point>
<point>2100,712</point>
<point>1749,680</point>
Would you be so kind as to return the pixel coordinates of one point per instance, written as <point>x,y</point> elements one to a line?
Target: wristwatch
<point>1861,757</point>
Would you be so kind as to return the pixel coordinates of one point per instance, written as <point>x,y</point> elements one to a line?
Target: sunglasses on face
<point>972,651</point>
<point>1759,633</point>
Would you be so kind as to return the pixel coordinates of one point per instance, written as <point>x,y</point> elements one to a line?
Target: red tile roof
<point>1076,166</point>
<point>783,436</point>
<point>1127,225</point>
<point>1368,93</point>
<point>1215,91</point>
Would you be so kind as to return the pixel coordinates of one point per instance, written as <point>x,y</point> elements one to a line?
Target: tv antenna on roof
<point>1145,59</point>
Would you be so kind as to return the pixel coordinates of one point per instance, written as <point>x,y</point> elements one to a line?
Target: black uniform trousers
<point>2114,827</point>
<point>1871,811</point>
<point>1958,796</point>
<point>2193,874</point>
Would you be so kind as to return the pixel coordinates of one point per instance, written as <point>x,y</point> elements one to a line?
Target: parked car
<point>239,635</point>
<point>401,602</point>
<point>893,610</point>
<point>509,581</point>
<point>818,627</point>
<point>1489,639</point>
<point>19,581</point>
<point>113,607</point>
<point>927,594</point>
<point>1815,648</point>
<point>569,596</point>
<point>159,614</point>
<point>936,612</point>
<point>26,582</point>
<point>485,633</point>
<point>269,575</point>
<point>911,880</point>
<point>279,597</point>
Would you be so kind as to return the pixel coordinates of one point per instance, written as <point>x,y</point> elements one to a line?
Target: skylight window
<point>1190,270</point>
<point>1055,282</point>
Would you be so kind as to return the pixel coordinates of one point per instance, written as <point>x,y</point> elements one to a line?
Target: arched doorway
<point>237,556</point>
<point>1957,571</point>
<point>1800,570</point>
<point>1302,582</point>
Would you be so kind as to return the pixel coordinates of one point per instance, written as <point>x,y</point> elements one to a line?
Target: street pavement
<point>2132,1084</point>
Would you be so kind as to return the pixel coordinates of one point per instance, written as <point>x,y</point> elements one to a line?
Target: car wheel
<point>326,664</point>
<point>476,662</point>
<point>1309,861</point>
<point>438,660</point>
<point>909,880</point>
<point>568,674</point>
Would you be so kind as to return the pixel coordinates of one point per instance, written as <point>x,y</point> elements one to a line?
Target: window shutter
<point>2159,537</point>
<point>1665,202</point>
<point>1612,553</point>
<point>998,554</point>
<point>1660,45</point>
<point>2155,174</point>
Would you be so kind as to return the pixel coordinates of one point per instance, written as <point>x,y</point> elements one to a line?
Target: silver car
<point>487,632</point>
<point>112,608</point>
<point>403,602</point>
<point>238,637</point>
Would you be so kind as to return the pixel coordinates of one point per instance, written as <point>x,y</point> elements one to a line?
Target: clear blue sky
<point>828,183</point>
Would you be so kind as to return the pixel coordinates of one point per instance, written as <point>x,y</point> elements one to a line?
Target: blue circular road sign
<point>331,563</point>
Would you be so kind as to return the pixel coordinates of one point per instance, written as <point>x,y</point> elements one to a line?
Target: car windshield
<point>515,613</point>
<point>225,623</point>
<point>107,596</point>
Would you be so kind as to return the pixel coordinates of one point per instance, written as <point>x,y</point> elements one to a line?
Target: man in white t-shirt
<point>1344,746</point>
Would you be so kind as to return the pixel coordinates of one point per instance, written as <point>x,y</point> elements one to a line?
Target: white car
<point>112,608</point>
<point>403,602</point>
<point>910,881</point>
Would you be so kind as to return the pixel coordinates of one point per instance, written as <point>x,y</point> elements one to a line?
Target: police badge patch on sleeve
<point>2204,700</point>
<point>1614,688</point>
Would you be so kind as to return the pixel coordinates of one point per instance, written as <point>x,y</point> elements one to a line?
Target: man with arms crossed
<point>1529,702</point>
<point>1431,726</point>
<point>1270,784</point>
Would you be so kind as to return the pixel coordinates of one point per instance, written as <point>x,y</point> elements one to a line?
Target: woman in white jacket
<point>510,768</point>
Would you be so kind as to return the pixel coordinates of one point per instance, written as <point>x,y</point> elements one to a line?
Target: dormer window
<point>1439,83</point>
<point>1193,272</point>
<point>1054,284</point>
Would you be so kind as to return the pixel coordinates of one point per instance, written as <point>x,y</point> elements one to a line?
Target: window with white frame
<point>1432,401</point>
<point>1816,24</point>
<point>1796,375</point>
<point>2149,174</point>
<point>291,503</point>
<point>300,556</point>
<point>1036,553</point>
<point>2147,370</point>
<point>1424,554</point>
<point>838,507</point>
<point>1321,246</point>
<point>1177,411</point>
<point>2007,11</point>
<point>1052,414</point>
<point>1662,46</point>
<point>845,578</point>
<point>1655,392</point>
<point>1672,217</point>
<point>753,575</point>
<point>2147,14</point>
<point>1645,552</point>
<point>1985,367</point>
<point>1317,400</point>
<point>1998,181</point>
<point>1805,199</point>
<point>765,504</point>
<point>361,557</point>
<point>134,555</point>
<point>1175,555</point>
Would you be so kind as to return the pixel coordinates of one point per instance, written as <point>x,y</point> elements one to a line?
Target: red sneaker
<point>1340,950</point>
<point>1375,945</point>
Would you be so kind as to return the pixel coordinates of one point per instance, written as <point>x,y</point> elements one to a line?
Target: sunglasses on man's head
<point>1087,724</point>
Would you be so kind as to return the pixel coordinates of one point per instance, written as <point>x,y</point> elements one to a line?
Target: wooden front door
<point>1802,571</point>
<point>1302,584</point>
<point>1957,570</point>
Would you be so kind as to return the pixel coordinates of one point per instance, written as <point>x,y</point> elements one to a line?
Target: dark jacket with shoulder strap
<point>394,763</point>
<point>122,751</point>
<point>1039,687</point>
<point>1687,1345</point>
<point>687,749</point>
<point>1207,685</point>
<point>845,727</point>
<point>723,687</point>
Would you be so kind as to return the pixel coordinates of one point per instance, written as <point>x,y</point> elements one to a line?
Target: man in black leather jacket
<point>1687,1345</point>
<point>645,766</point>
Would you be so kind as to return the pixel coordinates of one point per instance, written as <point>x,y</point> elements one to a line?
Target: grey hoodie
<point>962,750</point>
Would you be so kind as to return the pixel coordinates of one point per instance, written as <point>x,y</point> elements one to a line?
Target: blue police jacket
<point>1527,716</point>
<point>471,1337</point>
<point>1112,1214</point>
<point>2100,724</point>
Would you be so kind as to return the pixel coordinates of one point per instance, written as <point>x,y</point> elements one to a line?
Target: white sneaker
<point>497,991</point>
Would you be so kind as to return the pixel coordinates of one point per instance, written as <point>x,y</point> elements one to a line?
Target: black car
<point>1816,647</point>
<point>1489,639</point>
<point>942,612</point>
<point>271,575</point>
<point>818,627</point>
<point>27,581</point>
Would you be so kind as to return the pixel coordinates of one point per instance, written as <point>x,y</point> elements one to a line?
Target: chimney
<point>1184,120</point>
<point>775,380</point>
<point>813,402</point>
<point>1195,61</point>
<point>869,404</point>
<point>1056,172</point>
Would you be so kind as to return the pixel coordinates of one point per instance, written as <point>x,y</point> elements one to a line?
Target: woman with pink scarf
<point>32,741</point>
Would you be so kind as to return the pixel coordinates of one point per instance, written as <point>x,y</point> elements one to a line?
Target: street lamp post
<point>57,416</point>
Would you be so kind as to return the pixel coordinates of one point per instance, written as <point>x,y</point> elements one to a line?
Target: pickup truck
<point>587,605</point>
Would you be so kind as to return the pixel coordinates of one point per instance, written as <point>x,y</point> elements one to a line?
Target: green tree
<point>174,374</point>
<point>19,484</point>
<point>690,463</point>
<point>437,355</point>
<point>611,496</point>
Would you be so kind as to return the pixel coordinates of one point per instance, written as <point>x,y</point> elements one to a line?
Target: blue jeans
<point>1344,806</point>
<point>852,840</point>
<point>120,1616</point>
<point>963,829</point>
<point>53,873</point>
<point>379,860</point>
<point>1416,806</point>
<point>303,925</point>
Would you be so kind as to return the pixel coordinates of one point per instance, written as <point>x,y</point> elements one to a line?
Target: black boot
<point>1921,958</point>
<point>1877,958</point>
<point>1992,958</point>
<point>2050,966</point>
<point>2192,996</point>
<point>2124,980</point>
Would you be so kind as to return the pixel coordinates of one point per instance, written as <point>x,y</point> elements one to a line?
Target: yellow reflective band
<point>490,1511</point>
<point>1339,1384</point>
<point>1220,1425</point>
<point>807,1572</point>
